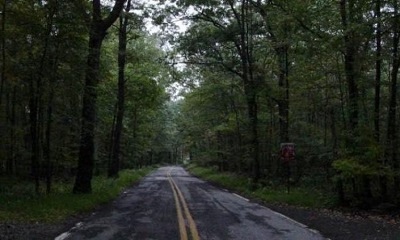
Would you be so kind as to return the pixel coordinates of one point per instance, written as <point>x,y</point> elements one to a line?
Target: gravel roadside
<point>344,226</point>
<point>35,231</point>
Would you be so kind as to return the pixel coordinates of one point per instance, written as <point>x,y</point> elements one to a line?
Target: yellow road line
<point>181,221</point>
<point>192,224</point>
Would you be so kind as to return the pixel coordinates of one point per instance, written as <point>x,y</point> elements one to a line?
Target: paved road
<point>171,204</point>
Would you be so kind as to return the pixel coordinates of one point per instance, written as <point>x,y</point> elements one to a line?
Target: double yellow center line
<point>180,204</point>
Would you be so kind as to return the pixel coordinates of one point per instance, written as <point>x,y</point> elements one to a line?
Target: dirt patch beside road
<point>343,226</point>
<point>35,231</point>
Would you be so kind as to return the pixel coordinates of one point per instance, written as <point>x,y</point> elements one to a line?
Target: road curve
<point>171,204</point>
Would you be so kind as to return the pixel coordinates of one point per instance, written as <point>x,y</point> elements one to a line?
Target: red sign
<point>287,151</point>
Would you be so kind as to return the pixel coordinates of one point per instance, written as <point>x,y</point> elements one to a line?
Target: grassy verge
<point>19,202</point>
<point>298,196</point>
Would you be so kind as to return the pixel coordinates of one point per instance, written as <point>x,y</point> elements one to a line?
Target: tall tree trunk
<point>245,51</point>
<point>378,71</point>
<point>47,147</point>
<point>349,17</point>
<point>10,164</point>
<point>86,150</point>
<point>239,148</point>
<point>377,102</point>
<point>33,121</point>
<point>98,28</point>
<point>115,162</point>
<point>3,131</point>
<point>251,84</point>
<point>135,127</point>
<point>253,116</point>
<point>346,12</point>
<point>392,138</point>
<point>111,148</point>
<point>283,102</point>
<point>3,50</point>
<point>281,50</point>
<point>36,104</point>
<point>8,149</point>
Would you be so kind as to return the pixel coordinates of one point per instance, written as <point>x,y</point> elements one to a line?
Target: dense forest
<point>320,74</point>
<point>58,108</point>
<point>86,89</point>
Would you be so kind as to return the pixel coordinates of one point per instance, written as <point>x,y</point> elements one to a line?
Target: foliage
<point>315,69</point>
<point>44,50</point>
<point>19,202</point>
<point>299,196</point>
<point>145,99</point>
<point>361,159</point>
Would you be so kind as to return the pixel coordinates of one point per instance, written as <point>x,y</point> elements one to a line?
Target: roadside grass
<point>18,202</point>
<point>298,196</point>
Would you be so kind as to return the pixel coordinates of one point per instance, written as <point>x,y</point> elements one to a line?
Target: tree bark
<point>86,150</point>
<point>239,148</point>
<point>378,70</point>
<point>392,138</point>
<point>281,49</point>
<point>36,104</point>
<point>253,116</point>
<point>33,121</point>
<point>47,147</point>
<point>135,127</point>
<point>3,131</point>
<point>110,153</point>
<point>377,100</point>
<point>349,17</point>
<point>283,102</point>
<point>252,84</point>
<point>98,28</point>
<point>10,163</point>
<point>350,61</point>
<point>245,50</point>
<point>115,162</point>
<point>3,50</point>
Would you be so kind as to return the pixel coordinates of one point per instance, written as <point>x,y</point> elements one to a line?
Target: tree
<point>3,49</point>
<point>146,76</point>
<point>97,32</point>
<point>231,29</point>
<point>36,35</point>
<point>122,33</point>
<point>378,79</point>
<point>392,134</point>
<point>212,120</point>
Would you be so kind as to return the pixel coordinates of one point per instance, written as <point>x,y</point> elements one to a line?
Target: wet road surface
<point>171,204</point>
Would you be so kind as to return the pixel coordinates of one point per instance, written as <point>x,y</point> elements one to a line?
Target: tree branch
<point>114,14</point>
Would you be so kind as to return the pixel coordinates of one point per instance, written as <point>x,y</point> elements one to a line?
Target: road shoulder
<point>334,224</point>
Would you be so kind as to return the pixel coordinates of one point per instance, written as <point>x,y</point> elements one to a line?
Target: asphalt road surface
<point>171,204</point>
